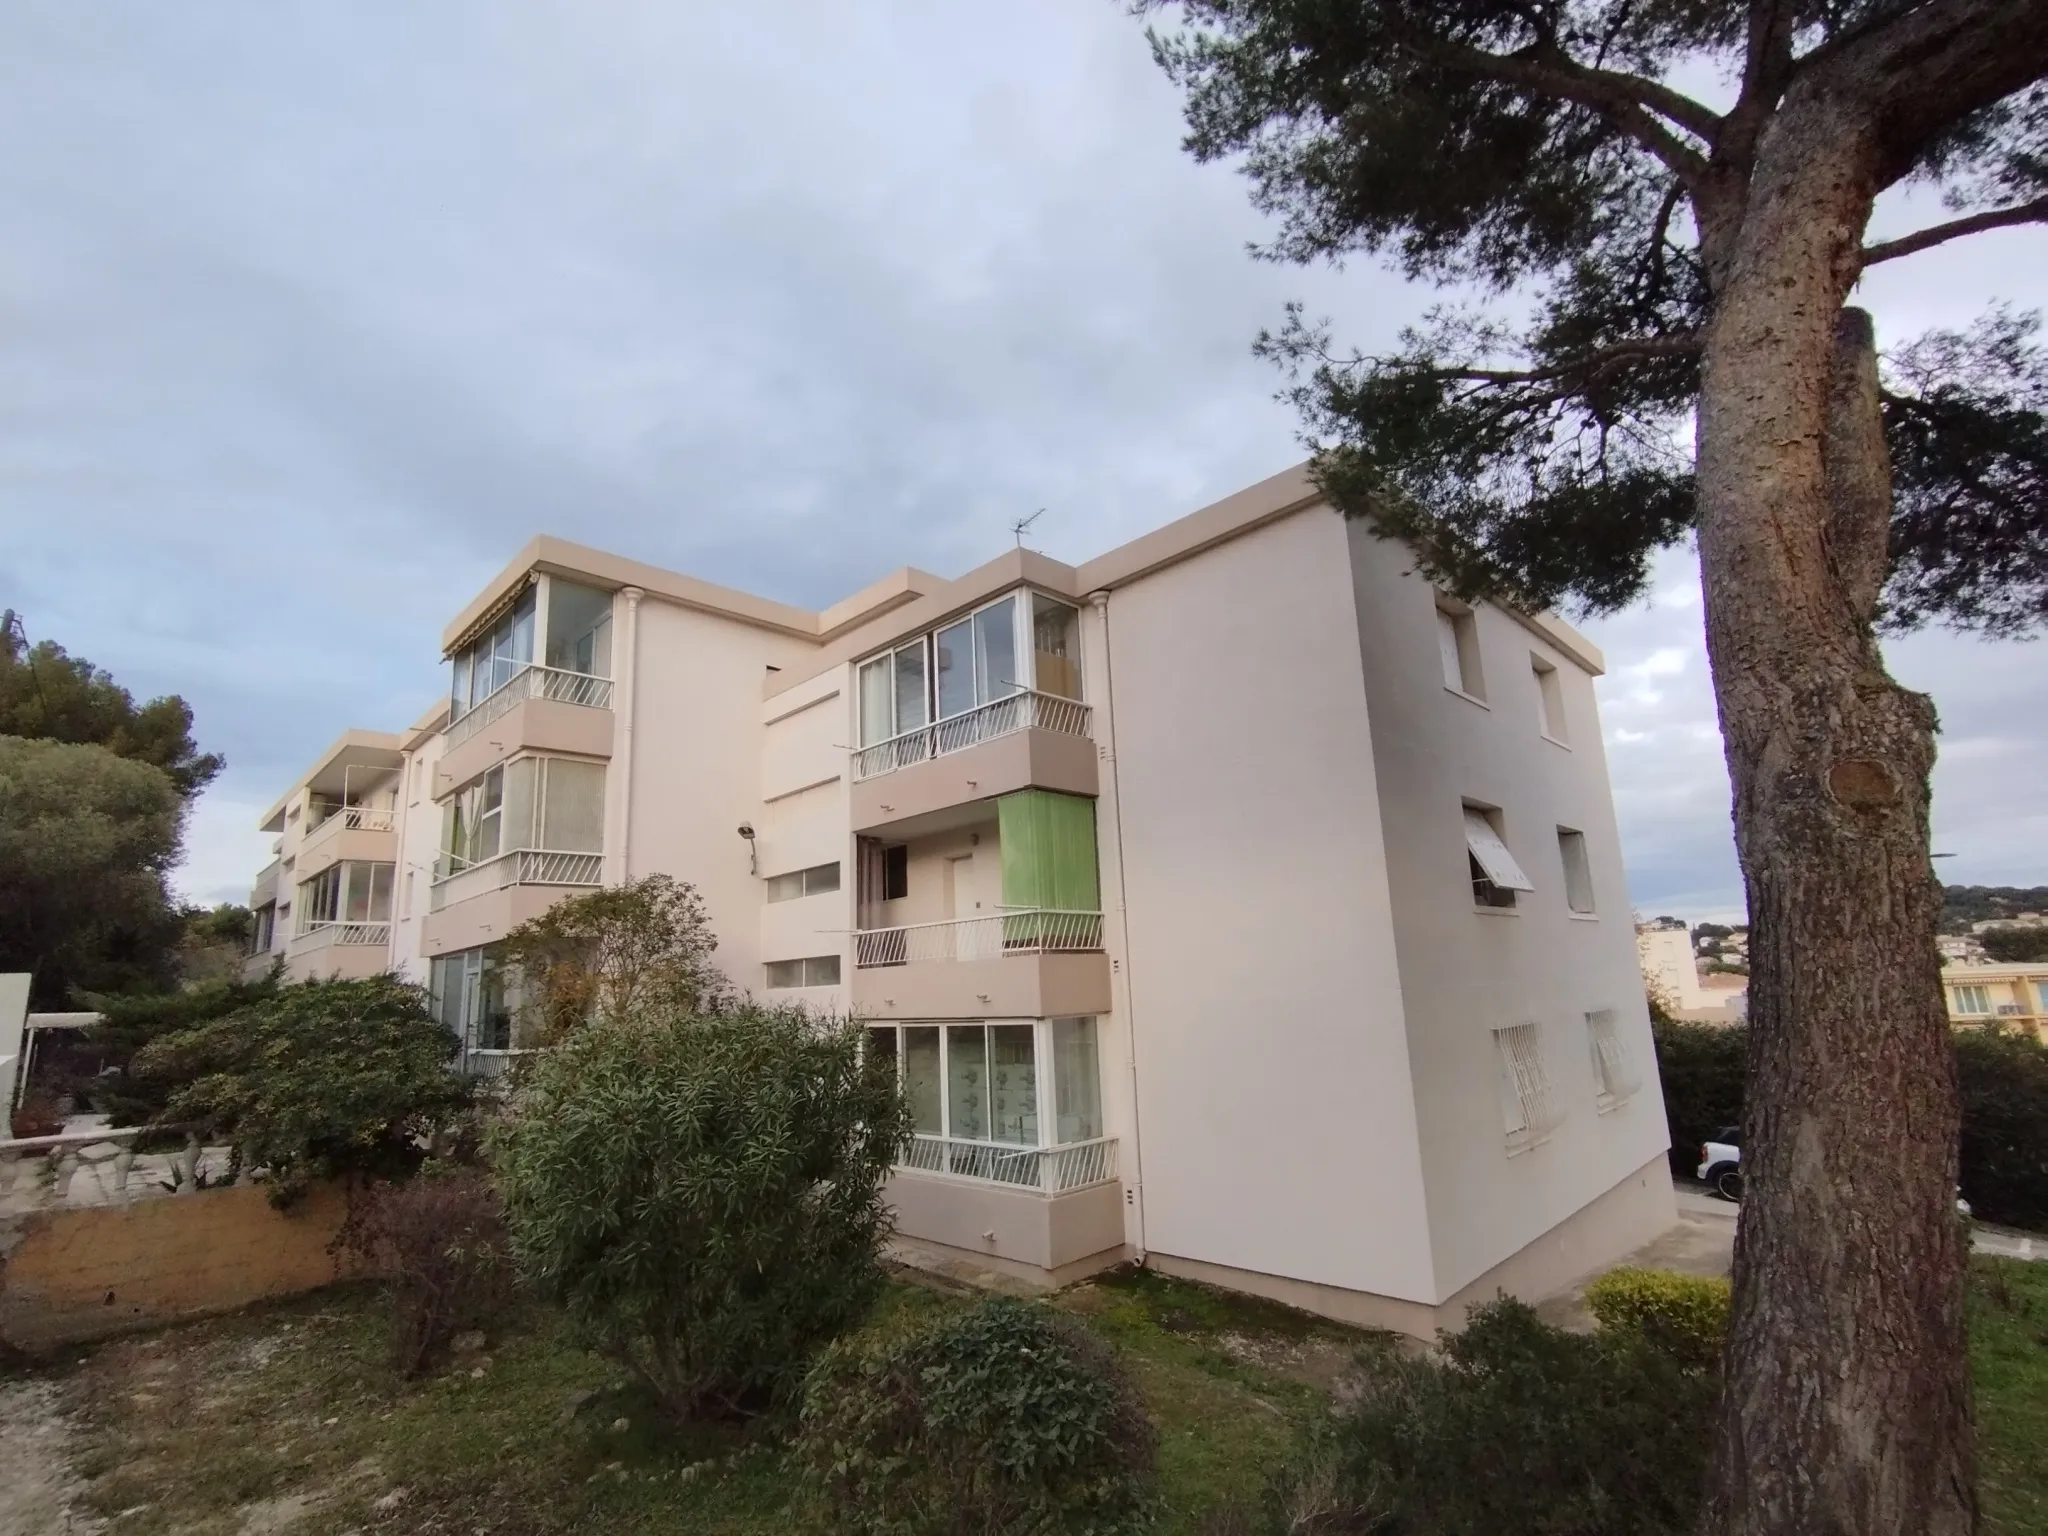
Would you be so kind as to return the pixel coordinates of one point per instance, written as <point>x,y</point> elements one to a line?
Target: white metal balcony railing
<point>1029,931</point>
<point>455,880</point>
<point>1051,1170</point>
<point>343,933</point>
<point>1021,711</point>
<point>533,682</point>
<point>356,818</point>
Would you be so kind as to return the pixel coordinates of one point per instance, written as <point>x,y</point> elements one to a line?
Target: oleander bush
<point>1005,1419</point>
<point>702,1194</point>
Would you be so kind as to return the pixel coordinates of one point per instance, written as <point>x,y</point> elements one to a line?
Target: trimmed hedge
<point>1686,1316</point>
<point>2002,1076</point>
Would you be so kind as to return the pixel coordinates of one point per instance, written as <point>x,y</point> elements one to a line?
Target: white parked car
<point>1721,1166</point>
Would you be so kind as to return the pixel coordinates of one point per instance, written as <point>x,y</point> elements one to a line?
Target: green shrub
<point>322,1079</point>
<point>1002,1420</point>
<point>2003,1077</point>
<point>702,1194</point>
<point>1686,1316</point>
<point>130,1023</point>
<point>1514,1426</point>
<point>1702,1068</point>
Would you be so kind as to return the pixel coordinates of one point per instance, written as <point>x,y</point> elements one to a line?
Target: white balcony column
<point>619,794</point>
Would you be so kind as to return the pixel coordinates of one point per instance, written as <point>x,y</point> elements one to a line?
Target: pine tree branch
<point>1631,103</point>
<point>1588,364</point>
<point>2035,212</point>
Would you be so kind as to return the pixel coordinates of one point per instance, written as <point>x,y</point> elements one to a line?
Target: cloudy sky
<point>313,313</point>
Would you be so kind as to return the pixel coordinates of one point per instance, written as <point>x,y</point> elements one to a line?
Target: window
<point>474,999</point>
<point>981,1082</point>
<point>1578,873</point>
<point>1549,700</point>
<point>1495,874</point>
<point>2042,988</point>
<point>551,803</point>
<point>1614,1069</point>
<point>493,657</point>
<point>815,881</point>
<point>1527,1105</point>
<point>1457,635</point>
<point>811,971</point>
<point>1971,1001</point>
<point>895,872</point>
<point>1055,646</point>
<point>352,891</point>
<point>262,928</point>
<point>579,628</point>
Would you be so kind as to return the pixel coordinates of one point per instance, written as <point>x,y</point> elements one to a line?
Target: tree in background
<point>131,1022</point>
<point>641,947</point>
<point>1689,264</point>
<point>214,944</point>
<point>48,695</point>
<point>2015,946</point>
<point>87,840</point>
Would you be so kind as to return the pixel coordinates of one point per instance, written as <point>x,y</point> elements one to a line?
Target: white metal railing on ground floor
<point>457,881</point>
<point>1050,1170</point>
<point>1027,931</point>
<point>1021,711</point>
<point>346,933</point>
<point>532,682</point>
<point>483,1062</point>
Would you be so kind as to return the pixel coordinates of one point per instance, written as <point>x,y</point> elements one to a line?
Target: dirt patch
<point>38,1494</point>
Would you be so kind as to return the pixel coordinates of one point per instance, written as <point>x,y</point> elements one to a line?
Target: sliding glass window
<point>491,661</point>
<point>579,628</point>
<point>551,803</point>
<point>1004,1083</point>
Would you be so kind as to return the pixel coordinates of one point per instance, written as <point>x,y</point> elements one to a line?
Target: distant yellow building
<point>1997,994</point>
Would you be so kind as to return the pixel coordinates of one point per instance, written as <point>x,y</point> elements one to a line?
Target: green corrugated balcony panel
<point>1049,864</point>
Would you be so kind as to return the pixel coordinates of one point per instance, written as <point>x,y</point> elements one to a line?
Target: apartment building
<point>2015,996</point>
<point>323,904</point>
<point>1232,902</point>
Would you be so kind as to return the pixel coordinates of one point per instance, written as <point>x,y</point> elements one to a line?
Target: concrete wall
<point>699,744</point>
<point>1466,971</point>
<point>1277,1127</point>
<point>799,821</point>
<point>1021,760</point>
<point>81,1274</point>
<point>1045,1232</point>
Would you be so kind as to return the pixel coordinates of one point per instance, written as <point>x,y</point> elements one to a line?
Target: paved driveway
<point>1696,1205</point>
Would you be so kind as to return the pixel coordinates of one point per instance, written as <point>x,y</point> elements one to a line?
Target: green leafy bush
<point>1002,1420</point>
<point>1513,1426</point>
<point>439,1244</point>
<point>1702,1068</point>
<point>2003,1076</point>
<point>1686,1316</point>
<point>130,1022</point>
<point>702,1194</point>
<point>321,1079</point>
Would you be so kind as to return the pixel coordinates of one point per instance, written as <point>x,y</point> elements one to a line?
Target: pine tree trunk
<point>1847,1406</point>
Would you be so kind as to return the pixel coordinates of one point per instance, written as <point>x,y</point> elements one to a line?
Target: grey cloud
<point>316,313</point>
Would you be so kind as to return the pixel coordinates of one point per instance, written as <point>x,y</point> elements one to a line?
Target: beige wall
<point>1465,971</point>
<point>1278,1130</point>
<point>1020,760</point>
<point>419,837</point>
<point>699,743</point>
<point>1666,958</point>
<point>1047,1232</point>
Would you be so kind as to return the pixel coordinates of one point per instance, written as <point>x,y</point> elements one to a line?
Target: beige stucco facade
<point>1229,1000</point>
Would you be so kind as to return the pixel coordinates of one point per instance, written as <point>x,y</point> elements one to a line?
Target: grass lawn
<point>289,1419</point>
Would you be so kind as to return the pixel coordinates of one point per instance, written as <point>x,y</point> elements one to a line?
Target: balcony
<point>473,904</point>
<point>363,832</point>
<point>1027,740</point>
<point>1030,963</point>
<point>540,709</point>
<point>264,892</point>
<point>346,950</point>
<point>1049,1170</point>
<point>1054,1211</point>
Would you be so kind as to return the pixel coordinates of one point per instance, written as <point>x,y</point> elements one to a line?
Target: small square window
<point>1528,1107</point>
<point>895,873</point>
<point>1457,636</point>
<point>1494,873</point>
<point>1578,872</point>
<point>1615,1077</point>
<point>1549,700</point>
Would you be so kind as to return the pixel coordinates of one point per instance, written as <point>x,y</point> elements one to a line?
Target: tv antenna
<point>1023,525</point>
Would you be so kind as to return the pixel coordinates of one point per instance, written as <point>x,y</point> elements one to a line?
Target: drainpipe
<point>623,702</point>
<point>1120,976</point>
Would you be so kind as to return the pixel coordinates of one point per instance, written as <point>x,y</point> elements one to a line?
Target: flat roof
<point>354,748</point>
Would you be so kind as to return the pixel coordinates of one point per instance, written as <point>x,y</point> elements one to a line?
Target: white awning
<point>1493,855</point>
